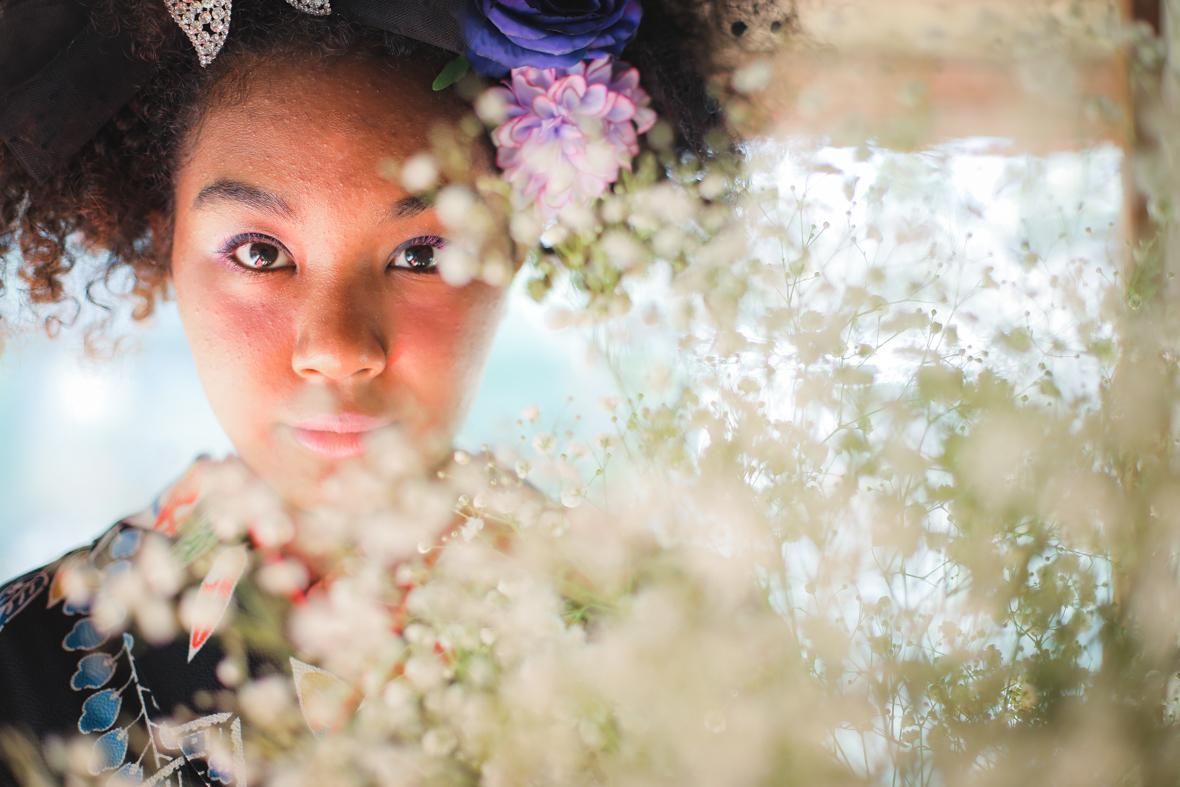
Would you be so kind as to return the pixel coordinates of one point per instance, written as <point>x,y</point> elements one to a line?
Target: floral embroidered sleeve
<point>62,677</point>
<point>144,711</point>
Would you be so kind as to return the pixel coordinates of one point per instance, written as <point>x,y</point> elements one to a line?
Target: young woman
<point>306,280</point>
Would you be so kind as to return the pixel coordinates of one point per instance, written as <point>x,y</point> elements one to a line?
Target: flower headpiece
<point>569,114</point>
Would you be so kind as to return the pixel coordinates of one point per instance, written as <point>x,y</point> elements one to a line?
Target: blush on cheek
<point>245,336</point>
<point>242,351</point>
<point>247,324</point>
<point>442,351</point>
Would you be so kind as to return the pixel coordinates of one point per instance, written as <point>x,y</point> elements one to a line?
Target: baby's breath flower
<point>713,185</point>
<point>455,204</point>
<point>497,270</point>
<point>283,577</point>
<point>268,701</point>
<point>155,618</point>
<point>230,672</point>
<point>425,673</point>
<point>622,250</point>
<point>439,742</point>
<point>525,228</point>
<point>492,107</point>
<point>420,173</point>
<point>457,266</point>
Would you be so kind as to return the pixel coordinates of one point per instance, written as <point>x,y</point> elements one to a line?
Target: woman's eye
<point>259,255</point>
<point>418,255</point>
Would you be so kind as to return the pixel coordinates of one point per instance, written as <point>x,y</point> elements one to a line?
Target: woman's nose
<point>341,337</point>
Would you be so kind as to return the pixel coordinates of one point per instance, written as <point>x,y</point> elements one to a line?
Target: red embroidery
<point>167,521</point>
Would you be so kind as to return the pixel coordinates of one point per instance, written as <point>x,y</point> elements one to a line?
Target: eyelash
<point>226,252</point>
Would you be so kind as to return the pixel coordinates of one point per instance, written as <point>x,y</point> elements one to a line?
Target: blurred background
<point>984,118</point>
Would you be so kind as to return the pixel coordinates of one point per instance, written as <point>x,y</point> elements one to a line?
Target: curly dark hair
<point>104,205</point>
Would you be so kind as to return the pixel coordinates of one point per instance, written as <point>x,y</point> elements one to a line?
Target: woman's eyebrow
<point>408,207</point>
<point>225,190</point>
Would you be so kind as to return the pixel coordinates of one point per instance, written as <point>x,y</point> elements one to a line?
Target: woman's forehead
<point>326,102</point>
<point>303,128</point>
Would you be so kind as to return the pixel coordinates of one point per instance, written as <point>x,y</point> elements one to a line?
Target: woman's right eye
<point>260,255</point>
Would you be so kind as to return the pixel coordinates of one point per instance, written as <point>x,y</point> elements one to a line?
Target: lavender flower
<point>569,131</point>
<point>504,34</point>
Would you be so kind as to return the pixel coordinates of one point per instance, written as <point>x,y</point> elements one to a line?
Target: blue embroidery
<point>220,772</point>
<point>93,671</point>
<point>125,544</point>
<point>16,595</point>
<point>76,608</point>
<point>100,710</point>
<point>83,636</point>
<point>109,751</point>
<point>173,756</point>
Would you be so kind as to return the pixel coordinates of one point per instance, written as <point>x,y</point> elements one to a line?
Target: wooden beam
<point>1042,74</point>
<point>910,103</point>
<point>1000,30</point>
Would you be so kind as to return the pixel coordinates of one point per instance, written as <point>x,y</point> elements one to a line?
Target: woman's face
<point>305,279</point>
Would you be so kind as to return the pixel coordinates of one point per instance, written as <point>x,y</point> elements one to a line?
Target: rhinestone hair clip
<point>206,22</point>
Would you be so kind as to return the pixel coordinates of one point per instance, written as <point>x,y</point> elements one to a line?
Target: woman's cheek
<point>442,352</point>
<point>243,355</point>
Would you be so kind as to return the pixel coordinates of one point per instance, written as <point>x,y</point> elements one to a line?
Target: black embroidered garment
<point>147,713</point>
<point>61,677</point>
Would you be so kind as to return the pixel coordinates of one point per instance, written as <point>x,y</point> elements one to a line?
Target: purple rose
<point>505,34</point>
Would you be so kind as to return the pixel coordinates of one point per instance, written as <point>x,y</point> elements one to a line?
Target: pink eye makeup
<point>255,253</point>
<point>418,255</point>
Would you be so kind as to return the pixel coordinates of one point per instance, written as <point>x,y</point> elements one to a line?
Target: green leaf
<point>452,72</point>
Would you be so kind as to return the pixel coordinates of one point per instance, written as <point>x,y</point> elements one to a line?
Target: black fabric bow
<point>61,79</point>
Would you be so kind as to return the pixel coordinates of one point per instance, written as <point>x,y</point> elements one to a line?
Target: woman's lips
<point>337,436</point>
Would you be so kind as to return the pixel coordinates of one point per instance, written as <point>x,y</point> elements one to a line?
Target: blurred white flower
<point>268,701</point>
<point>282,577</point>
<point>420,173</point>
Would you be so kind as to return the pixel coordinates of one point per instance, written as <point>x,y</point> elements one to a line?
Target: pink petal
<point>623,136</point>
<point>591,186</point>
<point>526,80</point>
<point>626,80</point>
<point>598,71</point>
<point>508,159</point>
<point>644,119</point>
<point>568,131</point>
<point>523,129</point>
<point>569,93</point>
<point>595,101</point>
<point>622,110</point>
<point>521,89</point>
<point>544,107</point>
